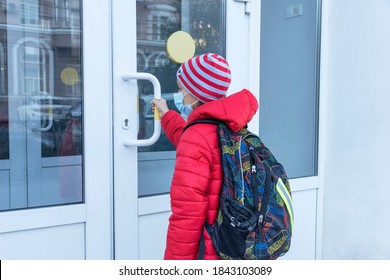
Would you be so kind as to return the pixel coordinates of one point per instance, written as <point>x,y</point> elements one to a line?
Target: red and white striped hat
<point>205,77</point>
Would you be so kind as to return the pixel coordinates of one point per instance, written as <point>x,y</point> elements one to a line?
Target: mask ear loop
<point>194,103</point>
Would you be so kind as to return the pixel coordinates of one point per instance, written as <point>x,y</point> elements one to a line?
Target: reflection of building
<point>44,38</point>
<point>46,14</point>
<point>155,21</point>
<point>2,69</point>
<point>39,39</point>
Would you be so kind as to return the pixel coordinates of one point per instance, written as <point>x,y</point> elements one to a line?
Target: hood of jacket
<point>236,110</point>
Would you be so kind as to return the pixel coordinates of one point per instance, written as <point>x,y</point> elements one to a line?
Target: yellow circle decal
<point>69,76</point>
<point>180,47</point>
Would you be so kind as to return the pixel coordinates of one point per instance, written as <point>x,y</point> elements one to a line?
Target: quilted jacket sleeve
<point>189,196</point>
<point>173,125</point>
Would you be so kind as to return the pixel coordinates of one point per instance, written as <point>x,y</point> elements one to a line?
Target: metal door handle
<point>48,126</point>
<point>157,123</point>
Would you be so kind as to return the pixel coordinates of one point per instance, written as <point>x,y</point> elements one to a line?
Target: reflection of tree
<point>207,25</point>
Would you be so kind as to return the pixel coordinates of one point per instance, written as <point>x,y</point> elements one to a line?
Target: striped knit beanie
<point>205,77</point>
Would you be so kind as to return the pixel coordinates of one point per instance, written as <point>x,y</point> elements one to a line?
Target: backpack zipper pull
<point>253,160</point>
<point>260,221</point>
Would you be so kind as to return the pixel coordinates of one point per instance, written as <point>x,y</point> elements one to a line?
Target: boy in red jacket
<point>203,82</point>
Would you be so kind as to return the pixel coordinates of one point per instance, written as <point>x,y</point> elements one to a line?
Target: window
<point>164,17</point>
<point>289,83</point>
<point>30,12</point>
<point>4,141</point>
<point>41,128</point>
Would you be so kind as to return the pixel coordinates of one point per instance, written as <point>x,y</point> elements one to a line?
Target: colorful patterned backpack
<point>255,218</point>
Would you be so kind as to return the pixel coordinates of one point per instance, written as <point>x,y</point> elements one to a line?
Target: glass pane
<point>4,139</point>
<point>289,83</point>
<point>41,103</point>
<point>204,20</point>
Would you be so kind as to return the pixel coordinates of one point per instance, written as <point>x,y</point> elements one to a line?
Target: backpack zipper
<point>242,171</point>
<point>267,191</point>
<point>255,190</point>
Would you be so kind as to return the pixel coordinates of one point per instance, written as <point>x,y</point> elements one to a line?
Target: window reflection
<point>4,150</point>
<point>40,102</point>
<point>156,21</point>
<point>204,20</point>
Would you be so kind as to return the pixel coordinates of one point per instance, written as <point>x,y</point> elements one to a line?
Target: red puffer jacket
<point>197,177</point>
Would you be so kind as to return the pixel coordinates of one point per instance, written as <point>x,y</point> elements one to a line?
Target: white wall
<point>356,89</point>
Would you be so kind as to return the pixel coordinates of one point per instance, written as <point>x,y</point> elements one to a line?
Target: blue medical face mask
<point>178,99</point>
<point>185,109</point>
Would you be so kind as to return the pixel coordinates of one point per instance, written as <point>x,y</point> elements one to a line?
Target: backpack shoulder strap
<point>211,121</point>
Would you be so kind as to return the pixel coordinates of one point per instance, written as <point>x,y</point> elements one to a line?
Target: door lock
<point>126,124</point>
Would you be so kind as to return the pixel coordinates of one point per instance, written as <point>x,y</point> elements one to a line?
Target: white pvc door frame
<point>98,168</point>
<point>124,107</point>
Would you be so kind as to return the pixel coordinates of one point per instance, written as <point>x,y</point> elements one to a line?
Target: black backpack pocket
<point>237,221</point>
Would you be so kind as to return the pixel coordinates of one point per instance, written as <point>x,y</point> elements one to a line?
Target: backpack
<point>255,217</point>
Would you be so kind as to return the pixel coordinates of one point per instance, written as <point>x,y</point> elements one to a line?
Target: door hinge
<point>247,4</point>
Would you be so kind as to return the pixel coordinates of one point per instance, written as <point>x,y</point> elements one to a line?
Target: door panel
<point>63,242</point>
<point>152,245</point>
<point>48,126</point>
<point>142,175</point>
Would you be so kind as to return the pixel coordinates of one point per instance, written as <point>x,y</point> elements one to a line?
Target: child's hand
<point>161,105</point>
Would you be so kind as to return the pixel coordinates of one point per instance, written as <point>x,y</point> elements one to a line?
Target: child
<point>203,82</point>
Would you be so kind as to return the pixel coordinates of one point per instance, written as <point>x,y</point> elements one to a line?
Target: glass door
<point>72,103</point>
<point>143,171</point>
<point>46,130</point>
